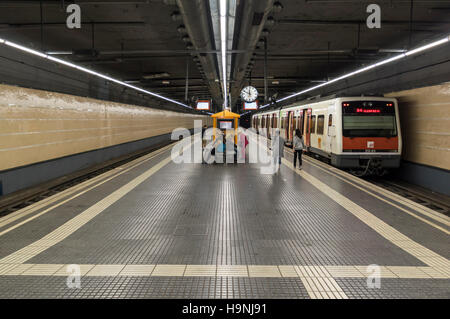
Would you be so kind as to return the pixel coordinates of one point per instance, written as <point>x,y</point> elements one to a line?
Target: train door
<point>301,122</point>
<point>261,119</point>
<point>307,113</point>
<point>282,124</point>
<point>296,123</point>
<point>273,125</point>
<point>290,127</point>
<point>331,134</point>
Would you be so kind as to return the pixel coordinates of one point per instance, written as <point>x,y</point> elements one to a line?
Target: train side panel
<point>322,124</point>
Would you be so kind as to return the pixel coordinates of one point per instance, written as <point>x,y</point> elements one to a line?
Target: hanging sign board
<point>204,105</point>
<point>251,106</point>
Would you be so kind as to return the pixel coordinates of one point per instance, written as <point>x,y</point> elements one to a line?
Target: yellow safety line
<point>420,252</point>
<point>415,249</point>
<point>54,198</point>
<point>402,200</point>
<point>393,204</point>
<point>417,207</point>
<point>135,163</point>
<point>65,230</point>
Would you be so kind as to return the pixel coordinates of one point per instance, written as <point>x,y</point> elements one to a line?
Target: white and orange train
<point>356,133</point>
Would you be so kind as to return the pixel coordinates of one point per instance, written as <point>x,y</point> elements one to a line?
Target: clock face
<point>249,94</point>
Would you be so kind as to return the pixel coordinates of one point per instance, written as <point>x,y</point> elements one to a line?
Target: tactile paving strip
<point>201,214</point>
<point>188,218</point>
<point>391,288</point>
<point>152,287</point>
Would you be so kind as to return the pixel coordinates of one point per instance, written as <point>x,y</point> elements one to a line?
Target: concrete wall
<point>37,173</point>
<point>44,135</point>
<point>425,122</point>
<point>38,126</point>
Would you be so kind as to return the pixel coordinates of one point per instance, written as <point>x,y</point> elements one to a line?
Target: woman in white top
<point>298,148</point>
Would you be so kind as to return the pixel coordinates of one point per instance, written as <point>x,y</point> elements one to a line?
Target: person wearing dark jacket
<point>204,128</point>
<point>298,146</point>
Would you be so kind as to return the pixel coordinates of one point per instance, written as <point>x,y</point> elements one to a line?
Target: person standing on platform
<point>204,128</point>
<point>242,145</point>
<point>298,146</point>
<point>277,149</point>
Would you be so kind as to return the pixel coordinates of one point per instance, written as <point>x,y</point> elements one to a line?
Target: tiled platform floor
<point>156,229</point>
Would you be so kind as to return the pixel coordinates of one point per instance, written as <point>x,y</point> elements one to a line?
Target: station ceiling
<point>156,43</point>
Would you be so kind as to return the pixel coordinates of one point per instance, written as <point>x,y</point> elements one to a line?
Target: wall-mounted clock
<point>249,94</point>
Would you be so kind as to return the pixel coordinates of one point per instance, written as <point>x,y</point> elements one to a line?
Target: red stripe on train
<point>370,143</point>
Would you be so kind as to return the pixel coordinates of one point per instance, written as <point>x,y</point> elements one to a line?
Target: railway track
<point>21,199</point>
<point>435,201</point>
<point>425,197</point>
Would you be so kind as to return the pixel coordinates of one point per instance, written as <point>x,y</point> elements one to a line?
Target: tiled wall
<point>36,125</point>
<point>425,121</point>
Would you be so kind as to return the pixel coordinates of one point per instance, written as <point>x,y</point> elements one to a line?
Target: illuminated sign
<point>204,105</point>
<point>367,111</point>
<point>226,125</point>
<point>251,106</point>
<point>368,107</point>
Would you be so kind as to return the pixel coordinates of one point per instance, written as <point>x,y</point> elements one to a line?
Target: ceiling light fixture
<point>85,70</point>
<point>156,76</point>
<point>370,67</point>
<point>59,52</point>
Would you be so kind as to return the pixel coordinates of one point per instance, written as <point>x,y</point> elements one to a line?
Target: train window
<point>313,124</point>
<point>275,121</point>
<point>330,120</point>
<point>320,124</point>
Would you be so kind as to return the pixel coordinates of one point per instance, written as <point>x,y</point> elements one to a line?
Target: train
<point>359,134</point>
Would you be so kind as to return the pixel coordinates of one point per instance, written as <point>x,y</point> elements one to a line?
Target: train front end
<point>371,140</point>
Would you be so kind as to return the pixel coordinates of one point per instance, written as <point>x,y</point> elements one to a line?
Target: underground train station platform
<point>155,229</point>
<point>107,108</point>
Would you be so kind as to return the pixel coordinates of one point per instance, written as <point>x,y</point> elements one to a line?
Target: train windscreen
<point>368,119</point>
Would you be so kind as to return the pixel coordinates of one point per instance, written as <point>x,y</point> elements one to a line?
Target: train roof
<point>317,99</point>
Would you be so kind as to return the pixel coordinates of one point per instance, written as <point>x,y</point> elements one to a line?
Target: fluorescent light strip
<point>223,40</point>
<point>367,68</point>
<point>83,69</point>
<point>59,52</point>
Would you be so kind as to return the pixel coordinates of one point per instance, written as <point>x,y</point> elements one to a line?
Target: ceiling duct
<point>196,19</point>
<point>155,76</point>
<point>257,18</point>
<point>250,29</point>
<point>86,52</point>
<point>362,52</point>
